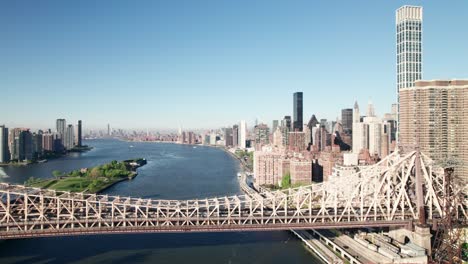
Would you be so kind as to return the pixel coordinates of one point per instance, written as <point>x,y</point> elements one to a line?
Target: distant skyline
<point>207,64</point>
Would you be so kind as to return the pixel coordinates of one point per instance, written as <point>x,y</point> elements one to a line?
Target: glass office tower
<point>297,112</point>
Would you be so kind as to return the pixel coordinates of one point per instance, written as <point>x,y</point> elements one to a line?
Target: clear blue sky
<point>158,64</point>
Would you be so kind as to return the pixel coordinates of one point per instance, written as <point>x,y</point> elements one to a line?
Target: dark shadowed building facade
<point>297,112</point>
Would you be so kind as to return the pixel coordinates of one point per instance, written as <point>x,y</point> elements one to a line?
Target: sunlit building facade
<point>434,116</point>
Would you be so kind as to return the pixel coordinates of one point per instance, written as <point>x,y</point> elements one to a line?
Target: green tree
<point>95,172</point>
<point>286,181</point>
<point>76,173</point>
<point>93,185</point>
<point>30,181</point>
<point>465,251</point>
<point>121,166</point>
<point>57,173</point>
<point>113,173</point>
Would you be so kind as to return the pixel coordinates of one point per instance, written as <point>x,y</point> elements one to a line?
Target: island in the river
<point>90,180</point>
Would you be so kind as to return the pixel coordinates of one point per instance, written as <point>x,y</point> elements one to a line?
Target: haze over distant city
<point>205,64</point>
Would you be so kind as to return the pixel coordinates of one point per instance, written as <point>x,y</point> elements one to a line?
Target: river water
<point>173,172</point>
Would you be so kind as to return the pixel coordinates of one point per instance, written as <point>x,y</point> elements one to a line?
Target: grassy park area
<point>90,180</point>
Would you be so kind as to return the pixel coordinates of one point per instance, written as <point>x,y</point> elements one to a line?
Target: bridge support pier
<point>421,236</point>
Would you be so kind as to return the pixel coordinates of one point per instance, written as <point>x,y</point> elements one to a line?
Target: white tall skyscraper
<point>371,133</point>
<point>374,135</point>
<point>60,128</point>
<point>408,49</point>
<point>359,131</point>
<point>69,138</point>
<point>370,109</point>
<point>360,136</point>
<point>409,45</point>
<point>356,113</point>
<point>242,134</point>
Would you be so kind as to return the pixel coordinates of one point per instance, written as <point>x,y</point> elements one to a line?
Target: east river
<point>173,172</point>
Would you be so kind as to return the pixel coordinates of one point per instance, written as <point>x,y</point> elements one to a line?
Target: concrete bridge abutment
<point>421,236</point>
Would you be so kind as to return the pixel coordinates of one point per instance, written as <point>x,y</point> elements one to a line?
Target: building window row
<point>409,36</point>
<point>409,47</point>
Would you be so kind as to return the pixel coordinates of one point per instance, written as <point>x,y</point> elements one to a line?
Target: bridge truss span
<point>380,195</point>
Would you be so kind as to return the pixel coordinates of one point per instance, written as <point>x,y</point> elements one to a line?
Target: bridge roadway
<point>52,232</point>
<point>29,212</point>
<point>381,195</point>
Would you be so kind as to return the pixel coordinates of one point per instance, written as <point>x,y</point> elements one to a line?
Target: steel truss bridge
<point>398,191</point>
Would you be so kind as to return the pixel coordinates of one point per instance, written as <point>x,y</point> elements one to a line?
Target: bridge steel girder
<point>380,195</point>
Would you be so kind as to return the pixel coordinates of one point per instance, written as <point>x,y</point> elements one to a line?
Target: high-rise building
<point>48,142</point>
<point>242,134</point>
<point>206,139</point>
<point>79,134</point>
<point>235,135</point>
<point>327,161</point>
<point>191,138</point>
<point>308,135</point>
<point>108,130</point>
<point>182,137</point>
<point>60,127</point>
<point>347,119</point>
<point>314,132</point>
<point>323,122</point>
<point>24,145</point>
<point>358,130</point>
<point>286,122</point>
<point>4,149</point>
<point>285,129</point>
<point>374,126</point>
<point>386,139</point>
<point>312,125</point>
<point>312,122</point>
<point>213,139</point>
<point>371,134</point>
<point>37,147</point>
<point>228,142</point>
<point>409,55</point>
<point>274,126</point>
<point>321,137</point>
<point>370,110</point>
<point>297,141</point>
<point>409,45</point>
<point>356,113</point>
<point>434,115</point>
<point>360,137</point>
<point>58,146</point>
<point>69,137</point>
<point>16,143</point>
<point>301,171</point>
<point>266,167</point>
<point>278,138</point>
<point>297,112</point>
<point>285,136</point>
<point>262,135</point>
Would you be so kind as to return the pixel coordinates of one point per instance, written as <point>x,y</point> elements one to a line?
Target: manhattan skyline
<point>160,66</point>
